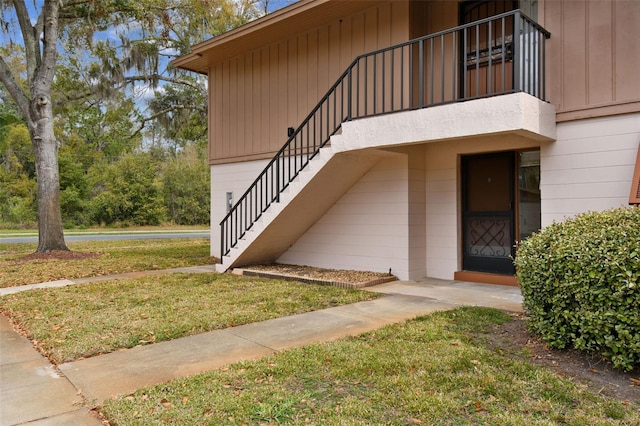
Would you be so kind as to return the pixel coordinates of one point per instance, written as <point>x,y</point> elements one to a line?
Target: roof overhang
<point>271,28</point>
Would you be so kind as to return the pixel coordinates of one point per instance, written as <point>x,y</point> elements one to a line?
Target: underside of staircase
<point>327,177</point>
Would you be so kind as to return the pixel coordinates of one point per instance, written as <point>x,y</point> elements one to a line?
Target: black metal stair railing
<point>494,56</point>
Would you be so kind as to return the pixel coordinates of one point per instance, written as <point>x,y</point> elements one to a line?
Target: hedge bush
<point>580,282</point>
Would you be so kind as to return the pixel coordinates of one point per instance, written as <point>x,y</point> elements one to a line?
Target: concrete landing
<point>507,298</point>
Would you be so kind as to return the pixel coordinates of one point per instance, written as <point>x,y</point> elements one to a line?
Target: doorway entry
<point>500,206</point>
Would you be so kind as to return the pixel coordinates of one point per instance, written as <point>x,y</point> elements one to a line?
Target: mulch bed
<point>337,277</point>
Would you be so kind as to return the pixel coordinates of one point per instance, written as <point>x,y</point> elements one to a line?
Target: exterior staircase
<point>307,198</point>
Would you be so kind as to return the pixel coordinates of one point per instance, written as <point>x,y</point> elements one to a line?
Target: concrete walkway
<point>33,390</point>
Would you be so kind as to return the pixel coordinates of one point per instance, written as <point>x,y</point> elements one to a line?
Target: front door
<point>488,214</point>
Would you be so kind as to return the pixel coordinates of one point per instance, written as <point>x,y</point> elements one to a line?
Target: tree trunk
<point>45,147</point>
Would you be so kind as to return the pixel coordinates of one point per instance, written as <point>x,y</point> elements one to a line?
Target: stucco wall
<point>589,167</point>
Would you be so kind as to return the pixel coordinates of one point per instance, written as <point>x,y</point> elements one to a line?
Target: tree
<point>186,187</point>
<point>35,105</point>
<point>149,31</point>
<point>17,173</point>
<point>131,193</point>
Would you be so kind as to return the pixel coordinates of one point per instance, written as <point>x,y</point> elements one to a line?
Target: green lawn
<point>112,257</point>
<point>89,319</point>
<point>435,370</point>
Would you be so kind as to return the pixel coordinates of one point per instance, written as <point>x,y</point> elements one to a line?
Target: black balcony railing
<point>494,56</point>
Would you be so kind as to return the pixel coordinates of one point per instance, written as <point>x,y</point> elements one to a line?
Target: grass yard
<point>111,257</point>
<point>436,370</point>
<point>89,319</point>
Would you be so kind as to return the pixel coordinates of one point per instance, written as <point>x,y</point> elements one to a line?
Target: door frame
<point>501,265</point>
<point>515,184</point>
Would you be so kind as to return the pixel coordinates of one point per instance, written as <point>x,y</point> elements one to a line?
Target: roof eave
<point>293,19</point>
<point>189,61</point>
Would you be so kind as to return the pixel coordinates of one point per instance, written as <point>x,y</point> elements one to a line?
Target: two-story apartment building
<point>421,137</point>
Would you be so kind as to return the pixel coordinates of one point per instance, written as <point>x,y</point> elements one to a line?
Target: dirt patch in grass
<point>58,255</point>
<point>514,339</point>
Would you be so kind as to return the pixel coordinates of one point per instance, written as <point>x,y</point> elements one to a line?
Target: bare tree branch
<point>49,41</point>
<point>158,77</point>
<point>31,43</point>
<point>8,80</point>
<point>166,111</point>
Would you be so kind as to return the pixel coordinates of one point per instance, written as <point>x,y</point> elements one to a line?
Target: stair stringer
<point>327,177</point>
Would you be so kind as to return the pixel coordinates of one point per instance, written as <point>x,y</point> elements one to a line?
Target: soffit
<point>276,26</point>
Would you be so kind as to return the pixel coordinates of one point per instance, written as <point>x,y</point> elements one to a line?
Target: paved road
<point>110,236</point>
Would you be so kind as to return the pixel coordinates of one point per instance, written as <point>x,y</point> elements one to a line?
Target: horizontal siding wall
<point>589,167</point>
<point>234,178</point>
<point>256,96</point>
<point>367,229</point>
<point>593,56</point>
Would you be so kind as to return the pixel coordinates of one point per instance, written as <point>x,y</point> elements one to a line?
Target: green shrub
<point>580,283</point>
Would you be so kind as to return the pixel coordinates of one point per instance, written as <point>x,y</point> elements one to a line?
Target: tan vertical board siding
<point>283,80</point>
<point>312,68</point>
<point>574,39</point>
<point>215,104</point>
<point>232,106</point>
<point>291,88</point>
<point>279,127</point>
<point>249,113</point>
<point>258,94</point>
<point>627,44</point>
<point>240,100</point>
<point>600,48</point>
<point>593,56</point>
<point>552,20</point>
<point>303,98</point>
<point>419,18</point>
